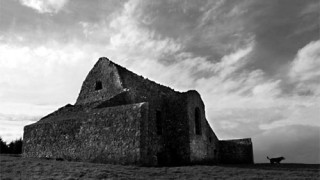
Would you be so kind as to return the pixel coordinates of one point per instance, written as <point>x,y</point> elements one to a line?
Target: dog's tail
<point>268,157</point>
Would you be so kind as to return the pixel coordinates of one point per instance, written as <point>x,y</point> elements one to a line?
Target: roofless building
<point>122,118</point>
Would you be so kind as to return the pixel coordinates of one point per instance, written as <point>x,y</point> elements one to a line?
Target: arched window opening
<point>98,85</point>
<point>159,122</point>
<point>197,120</point>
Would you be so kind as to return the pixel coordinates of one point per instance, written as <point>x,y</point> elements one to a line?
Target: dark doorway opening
<point>197,120</point>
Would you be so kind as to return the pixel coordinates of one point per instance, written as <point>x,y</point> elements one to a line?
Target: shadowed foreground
<point>27,168</point>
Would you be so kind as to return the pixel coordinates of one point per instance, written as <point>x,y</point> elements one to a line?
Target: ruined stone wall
<point>178,114</point>
<point>65,112</point>
<point>117,80</point>
<point>162,149</point>
<point>171,146</point>
<point>143,89</point>
<point>106,72</point>
<point>203,146</point>
<point>176,131</point>
<point>150,140</point>
<point>106,135</point>
<point>118,123</point>
<point>236,151</point>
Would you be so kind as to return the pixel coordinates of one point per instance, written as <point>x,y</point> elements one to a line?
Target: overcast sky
<point>256,63</point>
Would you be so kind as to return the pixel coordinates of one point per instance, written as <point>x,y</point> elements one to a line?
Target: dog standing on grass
<point>276,160</point>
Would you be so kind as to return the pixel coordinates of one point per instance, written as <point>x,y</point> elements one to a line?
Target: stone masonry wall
<point>162,149</point>
<point>237,151</point>
<point>150,144</point>
<point>203,146</point>
<point>176,125</point>
<point>143,89</point>
<point>106,72</point>
<point>109,135</point>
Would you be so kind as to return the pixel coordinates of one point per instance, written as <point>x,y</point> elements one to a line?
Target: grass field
<point>12,167</point>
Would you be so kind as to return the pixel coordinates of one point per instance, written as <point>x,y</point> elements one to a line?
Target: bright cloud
<point>45,6</point>
<point>136,42</point>
<point>267,89</point>
<point>11,125</point>
<point>38,80</point>
<point>44,71</point>
<point>304,69</point>
<point>307,63</point>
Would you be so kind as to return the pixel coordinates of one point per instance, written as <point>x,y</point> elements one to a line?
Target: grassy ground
<point>26,168</point>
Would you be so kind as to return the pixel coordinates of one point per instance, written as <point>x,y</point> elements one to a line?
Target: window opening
<point>197,119</point>
<point>98,85</point>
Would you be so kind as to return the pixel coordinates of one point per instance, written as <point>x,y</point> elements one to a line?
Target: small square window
<point>197,120</point>
<point>98,85</point>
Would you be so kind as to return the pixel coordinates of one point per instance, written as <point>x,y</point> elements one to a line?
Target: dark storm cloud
<point>206,28</point>
<point>275,24</point>
<point>215,28</point>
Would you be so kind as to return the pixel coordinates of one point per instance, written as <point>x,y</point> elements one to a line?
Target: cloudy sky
<point>256,63</point>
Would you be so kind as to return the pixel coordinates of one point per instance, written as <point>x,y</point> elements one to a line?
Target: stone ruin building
<point>122,118</point>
